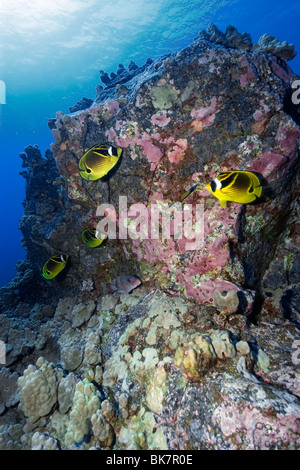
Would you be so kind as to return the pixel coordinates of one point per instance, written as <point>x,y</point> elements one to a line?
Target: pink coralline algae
<point>261,113</point>
<point>160,119</point>
<point>111,214</point>
<point>280,72</point>
<point>127,134</point>
<point>152,152</point>
<point>249,75</point>
<point>256,426</point>
<point>200,276</point>
<point>111,135</point>
<point>206,114</point>
<point>209,255</point>
<point>270,164</point>
<point>287,137</point>
<point>154,245</point>
<point>202,290</point>
<point>195,176</point>
<point>178,147</point>
<point>155,251</point>
<point>275,162</point>
<point>113,107</point>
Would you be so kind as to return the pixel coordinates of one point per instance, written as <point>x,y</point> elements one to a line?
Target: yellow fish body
<point>92,238</point>
<point>98,161</point>
<point>54,266</point>
<point>237,186</point>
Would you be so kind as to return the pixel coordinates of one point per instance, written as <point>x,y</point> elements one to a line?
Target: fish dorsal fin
<point>228,178</point>
<point>102,155</point>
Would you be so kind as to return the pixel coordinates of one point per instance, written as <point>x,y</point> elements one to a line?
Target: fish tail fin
<point>110,288</point>
<point>269,191</point>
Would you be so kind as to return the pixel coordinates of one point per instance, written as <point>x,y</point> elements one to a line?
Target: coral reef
<point>80,105</point>
<point>233,39</point>
<point>282,50</point>
<point>204,354</point>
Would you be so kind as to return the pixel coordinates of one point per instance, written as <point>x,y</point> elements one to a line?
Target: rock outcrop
<point>204,355</point>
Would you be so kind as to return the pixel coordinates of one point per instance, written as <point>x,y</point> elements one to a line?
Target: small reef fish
<point>54,266</point>
<point>98,161</point>
<point>237,186</point>
<point>91,237</point>
<point>189,191</point>
<point>123,284</point>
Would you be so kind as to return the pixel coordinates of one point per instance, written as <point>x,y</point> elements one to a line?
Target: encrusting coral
<point>43,442</point>
<point>230,300</point>
<point>38,389</point>
<point>102,430</point>
<point>86,402</point>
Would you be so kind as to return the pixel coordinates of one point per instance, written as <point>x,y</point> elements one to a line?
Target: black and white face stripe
<point>215,184</point>
<point>106,151</point>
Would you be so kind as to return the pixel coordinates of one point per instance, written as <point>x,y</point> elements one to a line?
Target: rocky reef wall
<point>204,354</point>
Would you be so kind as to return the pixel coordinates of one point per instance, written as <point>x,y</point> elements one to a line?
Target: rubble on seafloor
<point>205,354</point>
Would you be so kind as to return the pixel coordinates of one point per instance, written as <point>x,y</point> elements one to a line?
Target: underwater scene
<point>149,284</point>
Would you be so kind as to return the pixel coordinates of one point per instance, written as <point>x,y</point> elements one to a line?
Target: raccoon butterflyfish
<point>98,161</point>
<point>92,237</point>
<point>54,266</point>
<point>189,191</point>
<point>236,186</point>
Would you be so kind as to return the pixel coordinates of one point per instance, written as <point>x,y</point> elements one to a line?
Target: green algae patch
<point>163,96</point>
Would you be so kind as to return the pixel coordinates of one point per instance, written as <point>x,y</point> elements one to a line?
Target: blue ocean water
<point>51,54</point>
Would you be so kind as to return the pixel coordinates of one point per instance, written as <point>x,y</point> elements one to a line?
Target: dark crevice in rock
<point>290,297</point>
<point>291,108</point>
<point>256,309</point>
<point>256,252</point>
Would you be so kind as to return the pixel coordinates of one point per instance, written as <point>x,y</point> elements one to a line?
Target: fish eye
<point>88,170</point>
